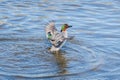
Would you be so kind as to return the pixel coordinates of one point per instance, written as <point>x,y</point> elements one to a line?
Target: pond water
<point>92,54</point>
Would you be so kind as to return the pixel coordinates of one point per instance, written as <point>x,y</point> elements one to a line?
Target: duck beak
<point>69,26</point>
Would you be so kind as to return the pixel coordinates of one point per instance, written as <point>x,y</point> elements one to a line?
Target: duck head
<point>65,27</point>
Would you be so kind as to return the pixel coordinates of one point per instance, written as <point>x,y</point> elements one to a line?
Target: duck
<point>55,37</point>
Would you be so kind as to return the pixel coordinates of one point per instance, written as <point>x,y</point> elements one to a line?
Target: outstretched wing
<point>57,39</point>
<point>50,30</point>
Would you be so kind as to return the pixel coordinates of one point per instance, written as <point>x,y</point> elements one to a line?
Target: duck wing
<point>58,40</point>
<point>50,30</point>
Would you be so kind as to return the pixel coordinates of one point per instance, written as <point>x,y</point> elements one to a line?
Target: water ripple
<point>93,51</point>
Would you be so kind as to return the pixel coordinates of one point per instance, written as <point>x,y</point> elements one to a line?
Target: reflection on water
<point>61,62</point>
<point>93,53</point>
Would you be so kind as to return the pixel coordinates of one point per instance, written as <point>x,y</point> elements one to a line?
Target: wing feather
<point>57,39</point>
<point>50,29</point>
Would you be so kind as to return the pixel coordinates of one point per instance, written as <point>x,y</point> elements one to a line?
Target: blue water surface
<point>93,53</point>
